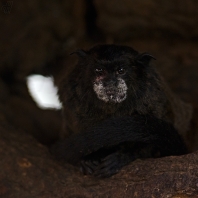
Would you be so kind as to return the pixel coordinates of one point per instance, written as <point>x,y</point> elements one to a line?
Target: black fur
<point>118,141</point>
<point>104,135</point>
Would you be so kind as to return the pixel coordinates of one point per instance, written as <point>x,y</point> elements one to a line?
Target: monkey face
<point>109,84</point>
<point>115,71</point>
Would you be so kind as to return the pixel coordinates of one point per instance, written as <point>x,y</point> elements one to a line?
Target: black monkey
<point>115,110</point>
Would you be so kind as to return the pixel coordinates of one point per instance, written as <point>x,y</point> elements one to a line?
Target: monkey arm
<point>139,128</point>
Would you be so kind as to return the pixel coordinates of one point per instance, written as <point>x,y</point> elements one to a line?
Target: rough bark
<point>34,33</point>
<point>27,170</point>
<point>147,18</point>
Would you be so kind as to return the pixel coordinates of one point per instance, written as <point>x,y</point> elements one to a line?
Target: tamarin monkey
<point>116,109</point>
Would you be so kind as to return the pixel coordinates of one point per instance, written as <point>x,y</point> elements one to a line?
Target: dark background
<point>36,37</point>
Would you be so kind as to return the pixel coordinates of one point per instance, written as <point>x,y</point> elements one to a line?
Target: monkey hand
<point>107,166</point>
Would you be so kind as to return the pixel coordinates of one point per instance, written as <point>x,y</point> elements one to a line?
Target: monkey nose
<point>110,83</point>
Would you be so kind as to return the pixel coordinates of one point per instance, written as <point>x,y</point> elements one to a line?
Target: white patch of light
<point>43,91</point>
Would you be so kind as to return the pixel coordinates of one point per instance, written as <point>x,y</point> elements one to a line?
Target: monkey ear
<point>144,58</point>
<point>80,53</point>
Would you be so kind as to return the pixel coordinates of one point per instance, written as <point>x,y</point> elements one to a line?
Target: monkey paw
<point>106,166</point>
<point>88,166</point>
<point>109,166</point>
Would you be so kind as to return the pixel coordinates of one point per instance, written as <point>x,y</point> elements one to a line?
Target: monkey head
<point>113,70</point>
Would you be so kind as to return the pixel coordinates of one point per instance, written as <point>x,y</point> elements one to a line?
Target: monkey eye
<point>121,71</point>
<point>99,71</point>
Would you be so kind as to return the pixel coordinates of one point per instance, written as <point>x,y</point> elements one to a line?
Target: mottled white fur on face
<point>119,92</point>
